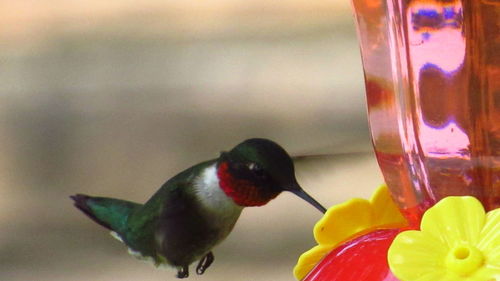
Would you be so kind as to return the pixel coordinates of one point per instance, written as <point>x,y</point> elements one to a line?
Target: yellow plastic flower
<point>457,242</point>
<point>349,220</point>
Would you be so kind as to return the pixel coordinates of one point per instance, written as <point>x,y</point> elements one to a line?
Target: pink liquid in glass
<point>432,73</point>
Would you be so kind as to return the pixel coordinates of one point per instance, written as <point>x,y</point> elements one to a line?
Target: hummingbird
<point>198,208</point>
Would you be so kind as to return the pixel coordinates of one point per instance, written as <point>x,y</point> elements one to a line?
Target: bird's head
<point>256,171</point>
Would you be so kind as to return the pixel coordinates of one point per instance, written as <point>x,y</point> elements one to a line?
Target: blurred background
<point>113,97</point>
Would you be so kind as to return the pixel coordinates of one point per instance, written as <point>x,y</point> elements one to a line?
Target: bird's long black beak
<point>297,190</point>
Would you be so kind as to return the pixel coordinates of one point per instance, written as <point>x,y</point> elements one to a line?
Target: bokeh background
<point>114,97</point>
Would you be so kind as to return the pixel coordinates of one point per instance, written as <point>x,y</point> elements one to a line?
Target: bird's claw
<point>205,263</point>
<point>183,272</point>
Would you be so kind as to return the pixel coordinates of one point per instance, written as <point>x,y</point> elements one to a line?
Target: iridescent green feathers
<point>108,212</point>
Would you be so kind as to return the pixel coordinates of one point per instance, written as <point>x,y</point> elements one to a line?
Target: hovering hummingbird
<point>197,209</point>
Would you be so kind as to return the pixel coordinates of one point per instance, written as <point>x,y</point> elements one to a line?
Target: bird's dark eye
<point>257,170</point>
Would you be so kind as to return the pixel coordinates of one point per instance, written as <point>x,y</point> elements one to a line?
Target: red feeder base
<point>363,258</point>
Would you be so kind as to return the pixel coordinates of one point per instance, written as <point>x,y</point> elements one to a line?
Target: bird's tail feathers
<point>108,212</point>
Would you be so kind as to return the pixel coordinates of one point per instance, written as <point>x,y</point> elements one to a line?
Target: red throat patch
<point>243,192</point>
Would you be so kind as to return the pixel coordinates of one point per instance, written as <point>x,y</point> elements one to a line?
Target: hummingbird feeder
<point>431,75</point>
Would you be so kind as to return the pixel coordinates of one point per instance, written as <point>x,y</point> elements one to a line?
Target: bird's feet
<point>183,272</point>
<point>205,263</point>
